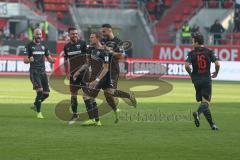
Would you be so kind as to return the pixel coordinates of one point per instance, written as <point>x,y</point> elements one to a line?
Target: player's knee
<point>39,90</point>
<point>106,93</point>
<point>109,91</point>
<point>205,100</point>
<point>39,96</point>
<point>86,97</point>
<point>45,95</point>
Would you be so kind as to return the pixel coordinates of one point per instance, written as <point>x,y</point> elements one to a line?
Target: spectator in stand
<point>23,37</point>
<point>151,5</point>
<point>1,35</point>
<point>40,5</point>
<point>6,32</point>
<point>237,4</point>
<point>217,30</point>
<point>141,3</point>
<point>237,21</point>
<point>205,2</point>
<point>186,33</point>
<point>159,9</point>
<point>44,27</point>
<point>195,28</point>
<point>12,36</point>
<point>30,32</point>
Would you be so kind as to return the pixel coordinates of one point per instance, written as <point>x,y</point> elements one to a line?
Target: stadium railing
<point>111,4</point>
<point>219,4</point>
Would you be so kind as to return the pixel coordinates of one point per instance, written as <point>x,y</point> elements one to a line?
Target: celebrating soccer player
<point>200,59</point>
<point>101,72</point>
<point>36,51</point>
<point>75,54</point>
<point>116,55</point>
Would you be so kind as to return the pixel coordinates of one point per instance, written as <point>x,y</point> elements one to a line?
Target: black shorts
<point>39,79</point>
<point>203,89</point>
<point>104,84</point>
<point>80,82</point>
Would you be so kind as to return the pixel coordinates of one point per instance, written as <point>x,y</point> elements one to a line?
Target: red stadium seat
<point>168,3</point>
<point>3,23</point>
<point>178,26</point>
<point>223,42</point>
<point>237,43</point>
<point>187,11</point>
<point>178,18</point>
<point>213,4</point>
<point>228,4</point>
<point>236,36</point>
<point>60,15</point>
<point>152,17</point>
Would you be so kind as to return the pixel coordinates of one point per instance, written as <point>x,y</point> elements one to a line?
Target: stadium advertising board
<point>131,68</point>
<point>14,65</point>
<point>178,53</point>
<point>9,9</point>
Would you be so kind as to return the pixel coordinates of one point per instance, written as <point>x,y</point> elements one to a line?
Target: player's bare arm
<point>82,68</point>
<point>188,68</point>
<point>101,75</point>
<point>27,60</point>
<point>117,55</point>
<point>50,59</point>
<point>66,68</point>
<point>217,68</point>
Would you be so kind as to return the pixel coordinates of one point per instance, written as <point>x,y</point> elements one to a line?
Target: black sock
<point>110,100</point>
<point>203,106</point>
<point>38,101</point>
<point>89,107</point>
<point>95,111</point>
<point>74,104</point>
<point>208,116</point>
<point>121,94</point>
<point>44,96</point>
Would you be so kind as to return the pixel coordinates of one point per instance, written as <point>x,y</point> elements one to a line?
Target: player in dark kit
<point>100,74</point>
<point>116,55</point>
<point>36,51</point>
<point>200,58</point>
<point>75,56</point>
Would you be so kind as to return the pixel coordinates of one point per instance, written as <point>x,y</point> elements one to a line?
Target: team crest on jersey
<point>78,46</point>
<point>33,48</point>
<point>98,53</point>
<point>43,48</point>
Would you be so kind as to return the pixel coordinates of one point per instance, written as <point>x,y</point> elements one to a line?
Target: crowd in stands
<point>27,35</point>
<point>237,17</point>
<point>216,30</point>
<point>187,32</point>
<point>40,5</point>
<point>219,3</point>
<point>155,8</point>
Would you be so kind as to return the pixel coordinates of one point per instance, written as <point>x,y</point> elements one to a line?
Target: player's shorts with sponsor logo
<point>39,79</point>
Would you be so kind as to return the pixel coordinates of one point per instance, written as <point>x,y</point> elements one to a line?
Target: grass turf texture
<point>24,137</point>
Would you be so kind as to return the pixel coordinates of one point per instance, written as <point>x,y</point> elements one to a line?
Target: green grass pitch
<point>24,137</point>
